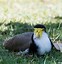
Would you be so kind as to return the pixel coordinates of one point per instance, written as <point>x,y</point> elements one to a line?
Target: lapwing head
<point>39,29</point>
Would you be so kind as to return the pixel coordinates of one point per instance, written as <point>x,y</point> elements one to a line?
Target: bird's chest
<point>43,44</point>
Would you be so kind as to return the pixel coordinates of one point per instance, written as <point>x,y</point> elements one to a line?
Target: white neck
<point>43,43</point>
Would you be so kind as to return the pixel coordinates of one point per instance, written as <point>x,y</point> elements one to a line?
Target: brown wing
<point>19,42</point>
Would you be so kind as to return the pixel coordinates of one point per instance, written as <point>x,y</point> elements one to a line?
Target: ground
<point>18,18</point>
<point>55,57</point>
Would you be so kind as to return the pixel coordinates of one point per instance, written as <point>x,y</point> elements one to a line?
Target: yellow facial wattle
<point>38,32</point>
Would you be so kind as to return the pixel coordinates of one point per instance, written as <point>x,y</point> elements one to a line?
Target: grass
<point>53,29</point>
<point>20,16</point>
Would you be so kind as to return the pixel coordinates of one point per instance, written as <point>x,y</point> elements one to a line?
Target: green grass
<point>13,28</point>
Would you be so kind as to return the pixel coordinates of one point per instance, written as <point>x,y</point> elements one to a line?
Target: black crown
<point>40,26</point>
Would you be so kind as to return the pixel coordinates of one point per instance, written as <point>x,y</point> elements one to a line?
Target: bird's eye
<point>35,30</point>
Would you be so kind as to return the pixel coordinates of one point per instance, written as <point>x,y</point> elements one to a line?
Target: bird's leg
<point>23,52</point>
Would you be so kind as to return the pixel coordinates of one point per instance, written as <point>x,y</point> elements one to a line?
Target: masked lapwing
<point>37,42</point>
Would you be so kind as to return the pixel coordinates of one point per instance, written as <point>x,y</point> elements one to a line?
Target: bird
<point>41,43</point>
<point>36,42</point>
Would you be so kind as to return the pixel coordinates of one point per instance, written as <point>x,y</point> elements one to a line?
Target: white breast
<point>43,43</point>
